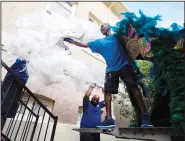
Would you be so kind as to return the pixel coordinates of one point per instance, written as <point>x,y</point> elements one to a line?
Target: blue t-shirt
<point>112,51</point>
<point>91,114</point>
<point>19,69</point>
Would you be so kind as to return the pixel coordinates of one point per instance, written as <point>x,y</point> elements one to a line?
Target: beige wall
<point>113,18</point>
<point>13,10</point>
<point>99,9</point>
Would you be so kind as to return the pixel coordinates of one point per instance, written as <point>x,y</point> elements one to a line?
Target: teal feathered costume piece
<point>168,68</point>
<point>145,26</point>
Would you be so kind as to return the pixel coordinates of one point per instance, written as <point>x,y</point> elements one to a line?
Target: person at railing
<point>11,90</point>
<point>118,66</point>
<point>91,117</point>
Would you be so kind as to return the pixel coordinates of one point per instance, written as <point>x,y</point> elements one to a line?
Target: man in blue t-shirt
<point>91,115</point>
<point>118,66</point>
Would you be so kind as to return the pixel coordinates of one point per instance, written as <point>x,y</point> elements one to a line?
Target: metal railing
<point>21,118</point>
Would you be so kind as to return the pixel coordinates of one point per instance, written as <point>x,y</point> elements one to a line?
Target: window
<point>94,19</point>
<point>64,8</point>
<point>48,12</point>
<point>36,109</point>
<point>21,107</point>
<point>91,20</point>
<point>30,103</point>
<point>67,6</point>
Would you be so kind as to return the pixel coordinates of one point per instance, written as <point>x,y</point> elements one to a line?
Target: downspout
<point>109,8</point>
<point>75,8</point>
<point>125,6</point>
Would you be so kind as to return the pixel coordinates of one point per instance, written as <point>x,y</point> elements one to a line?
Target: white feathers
<point>35,40</point>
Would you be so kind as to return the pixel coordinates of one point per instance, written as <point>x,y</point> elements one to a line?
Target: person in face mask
<point>91,114</point>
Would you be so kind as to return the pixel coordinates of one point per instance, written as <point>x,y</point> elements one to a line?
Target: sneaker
<point>145,121</point>
<point>108,121</point>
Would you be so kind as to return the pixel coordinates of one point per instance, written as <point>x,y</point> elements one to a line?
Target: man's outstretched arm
<point>89,91</point>
<point>86,97</point>
<point>93,45</point>
<point>84,45</point>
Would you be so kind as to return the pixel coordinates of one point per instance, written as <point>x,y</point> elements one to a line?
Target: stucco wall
<point>13,10</point>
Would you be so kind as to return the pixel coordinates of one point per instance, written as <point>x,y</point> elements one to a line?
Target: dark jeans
<point>10,95</point>
<point>90,137</point>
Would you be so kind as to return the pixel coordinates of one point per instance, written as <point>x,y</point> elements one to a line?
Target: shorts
<point>126,74</point>
<point>90,137</point>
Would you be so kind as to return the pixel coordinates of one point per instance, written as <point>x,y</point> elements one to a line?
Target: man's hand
<point>71,41</point>
<point>89,91</point>
<point>93,85</point>
<point>68,40</point>
<point>100,87</point>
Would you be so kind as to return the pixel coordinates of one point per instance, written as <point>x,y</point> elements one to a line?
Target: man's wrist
<point>93,85</point>
<point>72,42</point>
